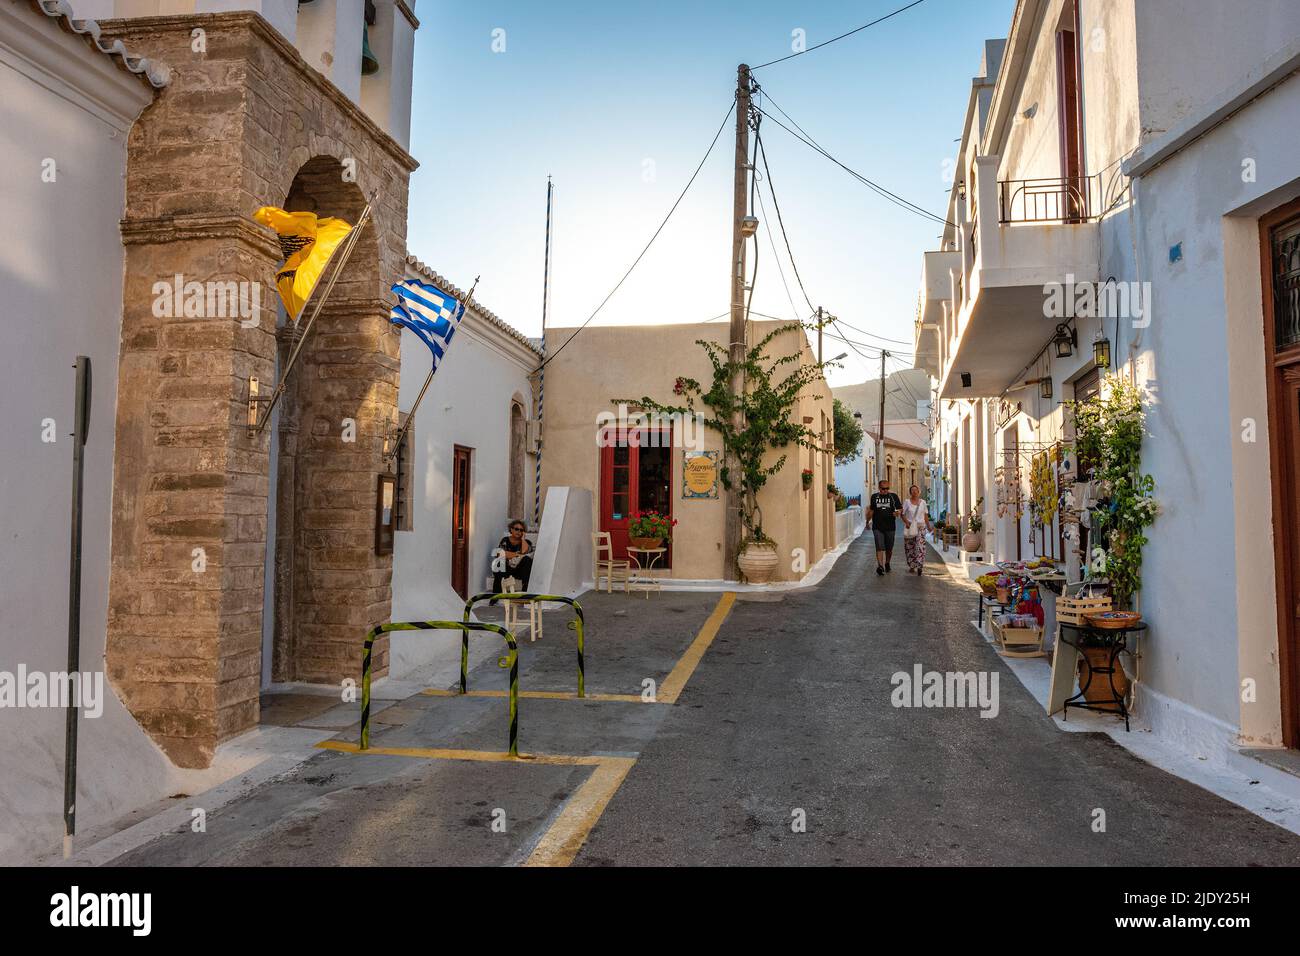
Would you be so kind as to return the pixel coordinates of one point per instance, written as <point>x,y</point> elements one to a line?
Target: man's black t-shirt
<point>884,506</point>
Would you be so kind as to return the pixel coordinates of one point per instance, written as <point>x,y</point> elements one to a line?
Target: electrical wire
<point>771,188</point>
<point>638,259</point>
<point>880,190</point>
<point>818,46</point>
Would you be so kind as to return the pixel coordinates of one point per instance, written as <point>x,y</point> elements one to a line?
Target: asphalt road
<point>783,748</point>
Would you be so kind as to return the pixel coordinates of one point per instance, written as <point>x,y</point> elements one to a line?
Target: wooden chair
<point>531,616</point>
<point>605,565</point>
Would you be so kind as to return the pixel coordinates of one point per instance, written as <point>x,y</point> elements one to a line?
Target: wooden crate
<point>1019,641</point>
<point>1072,610</point>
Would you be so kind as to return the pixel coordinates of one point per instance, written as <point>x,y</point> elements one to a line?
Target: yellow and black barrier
<point>576,624</point>
<point>511,660</point>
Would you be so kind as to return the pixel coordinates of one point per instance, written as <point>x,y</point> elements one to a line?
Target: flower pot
<point>758,562</point>
<point>1099,691</point>
<point>972,541</point>
<point>645,544</point>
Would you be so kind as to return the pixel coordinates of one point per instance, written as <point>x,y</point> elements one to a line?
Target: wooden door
<point>1280,258</point>
<point>635,475</point>
<point>460,516</point>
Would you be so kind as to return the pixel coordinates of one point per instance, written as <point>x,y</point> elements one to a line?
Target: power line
<point>775,255</point>
<point>864,26</point>
<point>638,259</point>
<point>771,188</point>
<point>880,190</point>
<point>875,336</point>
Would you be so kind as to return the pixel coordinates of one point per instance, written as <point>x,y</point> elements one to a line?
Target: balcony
<point>935,304</point>
<point>1023,237</point>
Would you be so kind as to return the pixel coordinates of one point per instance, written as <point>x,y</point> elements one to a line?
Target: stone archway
<point>190,485</point>
<point>329,585</point>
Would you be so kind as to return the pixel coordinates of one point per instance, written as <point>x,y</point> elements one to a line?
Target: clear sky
<point>618,102</point>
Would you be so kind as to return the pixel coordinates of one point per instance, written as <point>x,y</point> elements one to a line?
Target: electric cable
<point>638,259</point>
<point>818,46</point>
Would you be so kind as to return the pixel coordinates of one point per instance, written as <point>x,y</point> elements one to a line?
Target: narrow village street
<point>787,716</point>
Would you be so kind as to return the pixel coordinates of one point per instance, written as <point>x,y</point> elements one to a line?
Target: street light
<point>842,355</point>
<point>1065,340</point>
<point>1101,352</point>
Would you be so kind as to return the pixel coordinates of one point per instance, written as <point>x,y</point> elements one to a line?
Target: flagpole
<point>410,416</point>
<point>320,302</point>
<point>541,374</point>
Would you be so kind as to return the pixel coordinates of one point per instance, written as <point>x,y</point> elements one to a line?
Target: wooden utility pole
<point>734,526</point>
<point>880,423</point>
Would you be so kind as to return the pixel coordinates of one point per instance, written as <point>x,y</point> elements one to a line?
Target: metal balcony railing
<point>1066,199</point>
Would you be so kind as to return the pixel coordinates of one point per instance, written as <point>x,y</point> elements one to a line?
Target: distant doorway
<point>460,516</point>
<point>636,475</point>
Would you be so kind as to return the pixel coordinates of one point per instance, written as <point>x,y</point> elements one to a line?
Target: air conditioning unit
<point>534,435</point>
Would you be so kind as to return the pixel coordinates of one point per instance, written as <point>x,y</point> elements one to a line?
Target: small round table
<point>1115,640</point>
<point>642,577</point>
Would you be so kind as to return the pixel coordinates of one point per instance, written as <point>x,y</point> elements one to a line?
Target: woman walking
<point>916,521</point>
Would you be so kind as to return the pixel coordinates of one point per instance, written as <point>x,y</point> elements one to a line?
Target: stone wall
<point>244,123</point>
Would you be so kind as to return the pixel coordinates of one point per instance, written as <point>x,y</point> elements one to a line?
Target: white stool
<point>532,619</point>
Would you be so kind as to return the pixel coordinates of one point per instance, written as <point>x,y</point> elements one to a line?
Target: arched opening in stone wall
<point>518,437</point>
<point>325,584</point>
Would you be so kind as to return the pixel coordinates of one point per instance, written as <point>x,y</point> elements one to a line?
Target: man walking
<point>884,507</point>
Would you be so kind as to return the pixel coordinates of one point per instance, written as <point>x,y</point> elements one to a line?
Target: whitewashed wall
<point>468,404</point>
<point>61,285</point>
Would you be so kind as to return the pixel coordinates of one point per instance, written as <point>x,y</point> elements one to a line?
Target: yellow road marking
<point>482,756</point>
<point>675,682</point>
<point>566,836</point>
<point>561,843</point>
<point>539,694</point>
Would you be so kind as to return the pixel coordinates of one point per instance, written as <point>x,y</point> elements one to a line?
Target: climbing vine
<point>1109,432</point>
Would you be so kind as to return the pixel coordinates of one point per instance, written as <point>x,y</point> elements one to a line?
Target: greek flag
<point>429,312</point>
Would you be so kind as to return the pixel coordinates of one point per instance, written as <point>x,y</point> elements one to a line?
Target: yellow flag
<point>307,243</point>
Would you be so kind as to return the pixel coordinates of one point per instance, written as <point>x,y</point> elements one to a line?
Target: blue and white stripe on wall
<point>430,313</point>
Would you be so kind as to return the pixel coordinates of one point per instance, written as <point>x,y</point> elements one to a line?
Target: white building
<point>1144,149</point>
<point>473,470</point>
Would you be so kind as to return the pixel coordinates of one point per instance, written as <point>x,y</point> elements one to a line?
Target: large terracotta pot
<point>972,541</point>
<point>645,544</point>
<point>1099,691</point>
<point>758,562</point>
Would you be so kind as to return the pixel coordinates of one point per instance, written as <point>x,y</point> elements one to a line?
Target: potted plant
<point>757,558</point>
<point>648,529</point>
<point>973,540</point>
<point>831,490</point>
<point>806,476</point>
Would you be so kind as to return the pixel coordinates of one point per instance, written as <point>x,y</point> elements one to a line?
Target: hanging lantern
<point>1045,386</point>
<point>369,62</point>
<point>1065,340</point>
<point>1101,352</point>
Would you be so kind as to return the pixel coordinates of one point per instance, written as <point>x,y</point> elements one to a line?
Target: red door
<point>460,495</point>
<point>635,475</point>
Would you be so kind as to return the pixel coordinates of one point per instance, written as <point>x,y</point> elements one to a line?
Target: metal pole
<point>819,338</point>
<point>740,209</point>
<point>880,424</point>
<point>81,427</point>
<point>541,374</point>
<point>320,301</point>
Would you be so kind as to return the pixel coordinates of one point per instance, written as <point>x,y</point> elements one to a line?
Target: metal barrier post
<point>511,660</point>
<point>576,624</point>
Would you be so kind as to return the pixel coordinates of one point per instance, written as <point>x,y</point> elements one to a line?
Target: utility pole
<point>734,527</point>
<point>880,423</point>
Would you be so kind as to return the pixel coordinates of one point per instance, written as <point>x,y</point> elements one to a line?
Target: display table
<point>643,576</point>
<point>1115,640</point>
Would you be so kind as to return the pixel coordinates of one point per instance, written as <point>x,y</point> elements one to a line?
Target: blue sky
<point>618,102</point>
